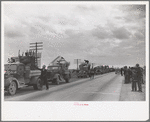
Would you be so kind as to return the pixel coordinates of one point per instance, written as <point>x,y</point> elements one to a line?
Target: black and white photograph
<point>69,55</point>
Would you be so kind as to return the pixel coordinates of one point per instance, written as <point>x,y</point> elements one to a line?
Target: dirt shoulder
<point>128,95</point>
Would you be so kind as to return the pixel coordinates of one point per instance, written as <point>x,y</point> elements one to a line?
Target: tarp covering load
<point>60,61</point>
<point>84,69</point>
<point>84,66</point>
<point>28,59</point>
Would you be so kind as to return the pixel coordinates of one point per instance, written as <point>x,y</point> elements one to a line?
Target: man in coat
<point>126,74</point>
<point>44,77</point>
<point>121,71</point>
<point>139,75</point>
<point>134,79</point>
<point>92,72</point>
<point>130,74</point>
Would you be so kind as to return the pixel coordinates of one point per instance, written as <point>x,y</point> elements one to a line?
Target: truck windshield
<point>10,68</point>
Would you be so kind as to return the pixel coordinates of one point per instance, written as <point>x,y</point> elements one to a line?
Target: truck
<point>98,70</point>
<point>117,70</point>
<point>84,69</point>
<point>21,72</point>
<point>111,69</point>
<point>101,69</point>
<point>58,71</point>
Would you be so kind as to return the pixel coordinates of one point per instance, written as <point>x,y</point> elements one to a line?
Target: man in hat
<point>134,79</point>
<point>139,75</point>
<point>92,72</point>
<point>121,71</point>
<point>44,77</point>
<point>126,74</point>
<point>130,74</point>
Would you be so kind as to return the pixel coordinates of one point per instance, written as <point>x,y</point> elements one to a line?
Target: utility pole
<point>92,65</point>
<point>37,46</point>
<point>77,61</point>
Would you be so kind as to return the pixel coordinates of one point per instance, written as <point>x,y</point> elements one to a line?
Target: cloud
<point>13,34</point>
<point>139,36</point>
<point>44,18</point>
<point>73,33</point>
<point>86,8</point>
<point>100,33</point>
<point>121,33</point>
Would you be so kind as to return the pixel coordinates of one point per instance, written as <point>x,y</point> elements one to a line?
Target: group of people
<point>133,75</point>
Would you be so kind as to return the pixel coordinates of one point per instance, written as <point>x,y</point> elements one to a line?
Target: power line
<point>36,48</point>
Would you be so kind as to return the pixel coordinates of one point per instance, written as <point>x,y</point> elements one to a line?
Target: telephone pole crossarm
<point>35,47</point>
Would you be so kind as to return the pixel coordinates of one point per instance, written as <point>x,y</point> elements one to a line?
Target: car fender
<point>9,80</point>
<point>33,80</point>
<point>56,76</point>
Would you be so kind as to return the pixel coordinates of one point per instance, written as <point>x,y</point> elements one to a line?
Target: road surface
<point>106,87</point>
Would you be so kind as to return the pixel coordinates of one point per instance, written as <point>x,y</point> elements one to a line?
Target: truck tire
<point>38,85</point>
<point>12,88</point>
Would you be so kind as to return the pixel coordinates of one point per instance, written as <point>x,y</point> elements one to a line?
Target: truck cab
<point>14,76</point>
<point>18,75</point>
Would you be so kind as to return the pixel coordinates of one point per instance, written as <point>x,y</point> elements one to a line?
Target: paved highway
<point>106,87</point>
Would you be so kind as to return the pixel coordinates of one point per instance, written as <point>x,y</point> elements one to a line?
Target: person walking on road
<point>44,77</point>
<point>92,72</point>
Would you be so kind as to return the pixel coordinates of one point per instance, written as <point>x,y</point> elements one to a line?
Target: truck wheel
<point>38,85</point>
<point>12,88</point>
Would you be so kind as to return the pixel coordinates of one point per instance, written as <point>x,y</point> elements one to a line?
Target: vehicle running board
<point>21,86</point>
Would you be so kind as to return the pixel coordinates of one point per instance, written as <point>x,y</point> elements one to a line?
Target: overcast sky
<point>104,34</point>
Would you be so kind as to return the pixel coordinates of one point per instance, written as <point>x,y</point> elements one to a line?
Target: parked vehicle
<point>58,71</point>
<point>84,70</point>
<point>98,70</point>
<point>21,72</point>
<point>117,71</point>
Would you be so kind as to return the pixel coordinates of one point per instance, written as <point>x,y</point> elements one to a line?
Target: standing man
<point>130,75</point>
<point>144,73</point>
<point>134,79</point>
<point>92,72</point>
<point>126,75</point>
<point>139,74</point>
<point>44,77</point>
<point>121,71</point>
<point>142,81</point>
